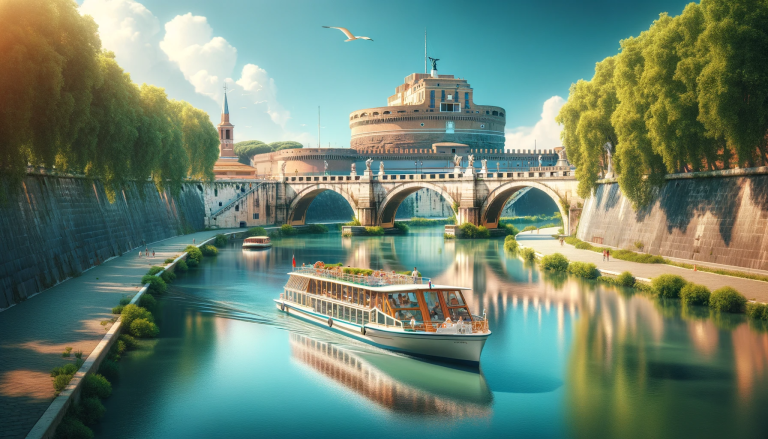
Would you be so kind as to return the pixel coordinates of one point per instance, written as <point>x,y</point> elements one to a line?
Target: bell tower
<point>226,132</point>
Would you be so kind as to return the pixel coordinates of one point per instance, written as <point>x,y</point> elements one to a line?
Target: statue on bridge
<point>368,164</point>
<point>282,167</point>
<point>381,168</point>
<point>354,169</point>
<point>540,161</point>
<point>456,160</point>
<point>470,161</point>
<point>484,162</point>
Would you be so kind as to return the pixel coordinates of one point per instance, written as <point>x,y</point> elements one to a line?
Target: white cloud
<point>128,29</point>
<point>205,61</point>
<point>545,133</point>
<point>190,49</point>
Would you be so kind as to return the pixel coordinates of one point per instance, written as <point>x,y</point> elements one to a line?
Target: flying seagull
<point>348,34</point>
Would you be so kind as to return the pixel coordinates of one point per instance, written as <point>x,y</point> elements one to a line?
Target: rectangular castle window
<point>466,100</point>
<point>442,95</point>
<point>431,99</point>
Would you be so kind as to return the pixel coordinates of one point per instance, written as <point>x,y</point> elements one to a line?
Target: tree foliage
<point>688,94</point>
<point>68,104</point>
<point>249,148</point>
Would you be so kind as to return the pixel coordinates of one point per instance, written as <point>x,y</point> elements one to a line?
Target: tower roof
<point>225,107</point>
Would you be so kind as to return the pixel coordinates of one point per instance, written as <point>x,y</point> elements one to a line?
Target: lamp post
<point>422,166</point>
<point>415,167</point>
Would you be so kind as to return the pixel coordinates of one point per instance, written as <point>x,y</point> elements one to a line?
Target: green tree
<point>200,139</point>
<point>285,144</point>
<point>247,149</point>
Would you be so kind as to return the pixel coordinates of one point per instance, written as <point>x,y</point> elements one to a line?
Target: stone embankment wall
<point>53,228</point>
<point>714,217</point>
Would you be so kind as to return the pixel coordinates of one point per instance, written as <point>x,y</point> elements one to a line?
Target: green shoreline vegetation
<point>644,258</point>
<point>664,286</point>
<point>138,322</point>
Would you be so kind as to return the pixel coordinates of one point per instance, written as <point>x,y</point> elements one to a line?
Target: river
<point>567,358</point>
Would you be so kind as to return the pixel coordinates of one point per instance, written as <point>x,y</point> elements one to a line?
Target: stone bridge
<point>477,198</point>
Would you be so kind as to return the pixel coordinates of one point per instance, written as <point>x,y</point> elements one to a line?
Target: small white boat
<point>257,242</point>
<point>388,310</point>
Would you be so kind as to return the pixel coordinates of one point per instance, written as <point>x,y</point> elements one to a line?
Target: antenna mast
<point>425,50</point>
<point>319,145</point>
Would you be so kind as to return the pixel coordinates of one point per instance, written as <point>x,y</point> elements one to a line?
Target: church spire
<point>225,107</point>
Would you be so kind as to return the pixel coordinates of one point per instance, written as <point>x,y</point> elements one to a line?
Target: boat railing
<point>473,327</point>
<point>377,279</point>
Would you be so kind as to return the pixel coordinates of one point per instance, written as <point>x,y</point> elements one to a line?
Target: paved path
<point>34,333</point>
<point>544,243</point>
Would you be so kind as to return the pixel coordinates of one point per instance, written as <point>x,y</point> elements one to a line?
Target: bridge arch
<point>297,211</point>
<point>490,212</point>
<point>389,205</point>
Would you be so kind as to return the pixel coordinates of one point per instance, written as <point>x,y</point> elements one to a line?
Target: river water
<point>567,358</point>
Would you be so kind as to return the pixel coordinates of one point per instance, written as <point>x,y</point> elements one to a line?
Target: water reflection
<point>397,383</point>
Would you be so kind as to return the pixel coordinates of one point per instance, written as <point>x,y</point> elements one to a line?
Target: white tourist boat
<point>388,310</point>
<point>257,242</point>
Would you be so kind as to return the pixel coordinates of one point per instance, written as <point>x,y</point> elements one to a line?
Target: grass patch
<point>354,222</point>
<point>534,219</point>
<point>449,236</point>
<point>428,222</point>
<point>374,231</point>
<point>530,228</point>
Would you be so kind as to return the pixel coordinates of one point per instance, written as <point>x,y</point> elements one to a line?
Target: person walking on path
<point>414,274</point>
<point>153,253</point>
<point>193,241</point>
<point>139,253</point>
<point>561,242</point>
<point>603,255</point>
<point>608,255</point>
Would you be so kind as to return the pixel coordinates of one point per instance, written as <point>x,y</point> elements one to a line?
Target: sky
<point>280,64</point>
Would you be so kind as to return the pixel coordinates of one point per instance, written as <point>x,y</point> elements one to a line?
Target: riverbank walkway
<point>34,333</point>
<point>544,243</point>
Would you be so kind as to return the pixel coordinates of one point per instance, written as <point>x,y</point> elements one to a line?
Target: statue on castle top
<point>368,164</point>
<point>457,160</point>
<point>434,62</point>
<point>470,160</point>
<point>539,160</point>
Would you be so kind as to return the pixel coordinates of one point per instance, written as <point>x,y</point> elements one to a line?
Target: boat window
<point>366,317</point>
<point>335,310</point>
<point>354,296</point>
<point>313,304</point>
<point>405,315</point>
<point>367,298</point>
<point>453,298</point>
<point>346,313</point>
<point>322,308</point>
<point>433,303</point>
<point>460,312</point>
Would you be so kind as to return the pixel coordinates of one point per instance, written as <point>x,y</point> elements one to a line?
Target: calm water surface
<point>567,358</point>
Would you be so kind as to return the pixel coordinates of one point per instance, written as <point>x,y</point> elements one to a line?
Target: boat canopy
<point>381,281</point>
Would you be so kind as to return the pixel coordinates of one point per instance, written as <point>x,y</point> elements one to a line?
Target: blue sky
<point>281,64</point>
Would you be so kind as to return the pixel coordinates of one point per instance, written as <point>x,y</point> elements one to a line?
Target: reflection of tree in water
<point>396,383</point>
<point>642,368</point>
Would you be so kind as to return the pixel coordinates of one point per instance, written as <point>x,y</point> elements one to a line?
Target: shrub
<point>191,262</point>
<point>583,246</point>
<point>354,222</point>
<point>126,300</point>
<point>168,276</point>
<point>528,254</point>
<point>668,285</point>
<point>130,342</point>
<point>109,369</point>
<point>148,301</point>
<point>181,265</point>
<point>584,269</point>
<point>287,230</point>
<point>156,285</point>
<point>401,226</point>
<point>144,328</point>
<point>727,299</point>
<point>639,245</point>
<point>209,250</point>
<point>316,228</point>
<point>169,261</point>
<point>67,351</point>
<point>471,231</point>
<point>374,231</point>
<point>483,233</point>
<point>67,369</point>
<point>133,312</point>
<point>555,261</point>
<point>154,270</point>
<point>95,384</point>
<point>509,229</point>
<point>73,428</point>
<point>510,244</point>
<point>346,234</point>
<point>90,410</point>
<point>79,355</point>
<point>625,279</point>
<point>449,236</point>
<point>529,228</point>
<point>692,294</point>
<point>758,311</point>
<point>194,253</point>
<point>220,241</point>
<point>257,231</point>
<point>60,381</point>
<point>118,309</point>
<point>358,271</point>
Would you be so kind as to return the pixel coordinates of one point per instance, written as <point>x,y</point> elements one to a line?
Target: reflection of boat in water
<point>257,242</point>
<point>402,313</point>
<point>398,383</point>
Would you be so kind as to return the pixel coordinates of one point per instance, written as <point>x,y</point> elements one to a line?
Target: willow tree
<point>200,139</point>
<point>49,66</point>
<point>586,120</point>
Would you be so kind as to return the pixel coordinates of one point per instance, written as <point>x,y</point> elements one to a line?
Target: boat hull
<point>256,246</point>
<point>465,348</point>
